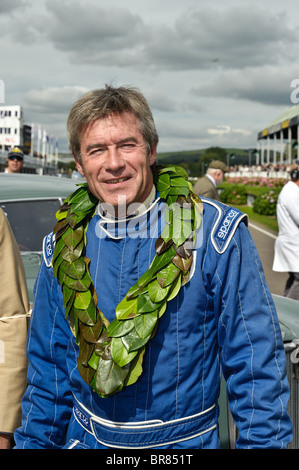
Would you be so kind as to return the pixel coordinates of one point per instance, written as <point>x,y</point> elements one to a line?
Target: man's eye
<point>128,145</point>
<point>96,151</point>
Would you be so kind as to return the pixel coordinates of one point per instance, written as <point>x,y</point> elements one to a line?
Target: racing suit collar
<point>136,224</point>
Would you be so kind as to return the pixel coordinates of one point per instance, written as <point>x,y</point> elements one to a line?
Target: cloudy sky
<point>215,72</point>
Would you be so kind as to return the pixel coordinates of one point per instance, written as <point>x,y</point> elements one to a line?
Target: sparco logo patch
<point>226,224</point>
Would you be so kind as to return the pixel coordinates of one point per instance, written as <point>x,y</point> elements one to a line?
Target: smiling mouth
<point>116,180</point>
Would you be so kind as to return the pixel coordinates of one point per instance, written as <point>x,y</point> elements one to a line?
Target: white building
<point>11,127</point>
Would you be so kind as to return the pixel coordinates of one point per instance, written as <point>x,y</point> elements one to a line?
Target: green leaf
<point>83,205</point>
<point>67,294</point>
<point>170,200</point>
<point>168,215</point>
<point>146,278</point>
<point>144,324</point>
<point>133,342</point>
<point>56,265</point>
<point>162,309</point>
<point>176,289</point>
<point>72,238</point>
<point>160,261</point>
<point>62,213</point>
<point>59,245</point>
<point>164,183</point>
<point>126,309</point>
<point>167,234</point>
<point>72,255</point>
<point>82,300</point>
<point>88,315</point>
<point>168,275</point>
<point>86,373</point>
<point>179,181</point>
<point>177,170</point>
<point>109,377</point>
<point>119,352</point>
<point>145,304</point>
<point>179,190</point>
<point>119,328</point>
<point>80,285</point>
<point>91,332</point>
<point>71,219</point>
<point>156,292</point>
<point>135,290</point>
<point>181,230</point>
<point>60,228</point>
<point>102,345</point>
<point>85,351</point>
<point>135,369</point>
<point>93,361</point>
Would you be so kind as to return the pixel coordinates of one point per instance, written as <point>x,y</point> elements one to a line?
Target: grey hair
<point>106,102</point>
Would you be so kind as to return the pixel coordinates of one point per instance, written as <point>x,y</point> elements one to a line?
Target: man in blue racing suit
<point>133,321</point>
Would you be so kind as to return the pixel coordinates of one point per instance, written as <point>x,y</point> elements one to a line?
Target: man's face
<point>14,164</point>
<point>219,177</point>
<point>115,160</point>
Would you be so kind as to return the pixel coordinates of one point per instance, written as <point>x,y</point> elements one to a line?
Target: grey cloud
<point>235,37</point>
<point>261,84</point>
<point>53,100</point>
<point>198,40</point>
<point>9,6</point>
<point>161,102</point>
<point>92,31</point>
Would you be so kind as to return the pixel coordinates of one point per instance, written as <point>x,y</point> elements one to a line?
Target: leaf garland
<point>111,355</point>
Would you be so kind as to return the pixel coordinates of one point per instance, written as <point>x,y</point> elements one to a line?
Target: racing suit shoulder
<point>48,249</point>
<point>226,221</point>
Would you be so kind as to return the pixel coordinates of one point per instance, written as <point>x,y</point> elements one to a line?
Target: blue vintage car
<point>31,202</point>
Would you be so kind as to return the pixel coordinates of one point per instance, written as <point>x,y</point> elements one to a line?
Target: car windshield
<point>31,221</point>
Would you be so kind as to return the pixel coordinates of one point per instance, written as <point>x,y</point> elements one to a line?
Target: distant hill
<point>195,155</point>
<point>196,161</point>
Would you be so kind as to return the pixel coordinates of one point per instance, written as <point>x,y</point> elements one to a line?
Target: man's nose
<point>114,159</point>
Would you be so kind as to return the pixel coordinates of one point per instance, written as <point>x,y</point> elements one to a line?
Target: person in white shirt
<point>286,255</point>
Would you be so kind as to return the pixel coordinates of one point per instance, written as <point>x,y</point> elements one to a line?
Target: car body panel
<point>31,202</point>
<point>288,315</point>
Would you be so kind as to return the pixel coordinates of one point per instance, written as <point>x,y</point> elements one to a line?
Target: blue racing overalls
<point>222,321</point>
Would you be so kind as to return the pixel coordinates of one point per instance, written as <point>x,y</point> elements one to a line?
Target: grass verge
<point>264,220</point>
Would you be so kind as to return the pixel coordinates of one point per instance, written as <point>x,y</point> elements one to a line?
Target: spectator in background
<point>14,307</point>
<point>15,161</point>
<point>286,257</point>
<point>207,185</point>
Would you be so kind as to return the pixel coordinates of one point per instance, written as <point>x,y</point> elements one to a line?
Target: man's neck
<point>133,209</point>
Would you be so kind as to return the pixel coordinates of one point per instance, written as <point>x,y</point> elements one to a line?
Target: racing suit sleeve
<point>252,353</point>
<point>47,403</point>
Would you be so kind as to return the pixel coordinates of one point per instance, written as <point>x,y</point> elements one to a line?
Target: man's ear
<point>153,155</point>
<point>79,166</point>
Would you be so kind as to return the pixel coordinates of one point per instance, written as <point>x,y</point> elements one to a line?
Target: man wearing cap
<point>15,161</point>
<point>207,185</point>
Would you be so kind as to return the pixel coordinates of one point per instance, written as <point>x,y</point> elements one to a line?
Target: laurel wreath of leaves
<point>111,355</point>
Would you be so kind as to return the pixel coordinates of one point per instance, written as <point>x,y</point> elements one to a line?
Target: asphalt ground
<point>264,240</point>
